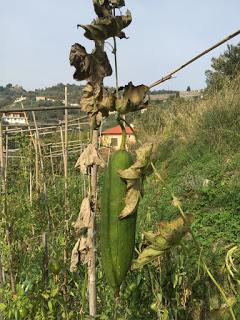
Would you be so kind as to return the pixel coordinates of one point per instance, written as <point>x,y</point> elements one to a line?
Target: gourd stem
<point>124,135</point>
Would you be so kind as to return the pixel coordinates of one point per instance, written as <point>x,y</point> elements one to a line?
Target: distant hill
<point>54,95</point>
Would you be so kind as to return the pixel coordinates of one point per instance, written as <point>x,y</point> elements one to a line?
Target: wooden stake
<point>66,203</point>
<point>40,154</point>
<point>45,259</point>
<point>36,165</point>
<point>30,186</point>
<point>52,167</point>
<point>1,191</point>
<point>92,252</point>
<point>28,126</point>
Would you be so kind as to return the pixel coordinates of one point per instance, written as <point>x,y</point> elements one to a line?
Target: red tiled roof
<point>116,130</point>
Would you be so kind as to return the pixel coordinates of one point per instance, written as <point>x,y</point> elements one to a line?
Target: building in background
<point>14,118</point>
<point>20,99</point>
<point>112,137</point>
<point>40,98</point>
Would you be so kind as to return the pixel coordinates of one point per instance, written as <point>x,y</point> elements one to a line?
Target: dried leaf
<point>134,177</point>
<point>106,102</point>
<point>87,101</point>
<point>131,202</point>
<point>75,257</point>
<point>81,60</point>
<point>221,312</point>
<point>84,218</point>
<point>80,253</point>
<point>107,27</point>
<point>146,256</point>
<point>169,235</point>
<point>102,8</point>
<point>173,231</point>
<point>88,158</point>
<point>117,3</point>
<point>158,242</point>
<point>176,202</point>
<point>132,98</point>
<point>94,67</point>
<point>137,170</point>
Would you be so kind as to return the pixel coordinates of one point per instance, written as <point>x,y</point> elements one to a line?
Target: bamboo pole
<point>43,128</point>
<point>28,126</point>
<point>8,232</point>
<point>4,110</point>
<point>45,259</point>
<point>1,191</point>
<point>1,158</point>
<point>52,167</point>
<point>30,187</point>
<point>169,76</point>
<point>66,203</point>
<point>36,166</point>
<point>92,251</point>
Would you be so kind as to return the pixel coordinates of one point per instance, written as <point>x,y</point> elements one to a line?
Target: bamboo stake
<point>66,204</point>
<point>52,167</point>
<point>4,110</point>
<point>45,259</point>
<point>1,158</point>
<point>36,165</point>
<point>30,186</point>
<point>28,126</point>
<point>5,209</point>
<point>40,153</point>
<point>169,76</point>
<point>92,251</point>
<point>1,190</point>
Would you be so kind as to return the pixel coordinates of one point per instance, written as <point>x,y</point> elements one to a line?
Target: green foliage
<point>226,65</point>
<point>198,158</point>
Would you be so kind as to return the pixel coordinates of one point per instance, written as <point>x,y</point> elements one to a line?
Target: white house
<point>14,118</point>
<point>20,99</point>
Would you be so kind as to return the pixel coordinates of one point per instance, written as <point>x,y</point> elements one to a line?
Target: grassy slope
<point>199,159</point>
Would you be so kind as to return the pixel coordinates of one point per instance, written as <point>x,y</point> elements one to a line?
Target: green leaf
<point>54,292</point>
<point>164,316</point>
<point>2,306</point>
<point>50,306</point>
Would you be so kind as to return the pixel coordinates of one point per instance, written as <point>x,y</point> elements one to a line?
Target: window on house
<point>114,142</point>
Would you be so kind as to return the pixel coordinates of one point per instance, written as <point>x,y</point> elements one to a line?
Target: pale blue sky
<point>36,36</point>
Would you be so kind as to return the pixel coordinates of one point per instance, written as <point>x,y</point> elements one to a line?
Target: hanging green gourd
<point>117,235</point>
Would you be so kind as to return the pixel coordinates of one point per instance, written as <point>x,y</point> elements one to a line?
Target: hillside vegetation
<point>199,160</point>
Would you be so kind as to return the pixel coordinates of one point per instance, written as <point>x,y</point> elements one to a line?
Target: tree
<point>226,65</point>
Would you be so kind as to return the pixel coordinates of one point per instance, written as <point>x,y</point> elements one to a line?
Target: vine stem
<point>115,59</point>
<point>115,64</point>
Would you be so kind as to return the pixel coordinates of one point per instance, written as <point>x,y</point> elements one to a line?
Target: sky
<point>36,37</point>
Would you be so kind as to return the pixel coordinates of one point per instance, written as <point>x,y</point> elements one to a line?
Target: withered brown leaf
<point>107,27</point>
<point>88,158</point>
<point>132,98</point>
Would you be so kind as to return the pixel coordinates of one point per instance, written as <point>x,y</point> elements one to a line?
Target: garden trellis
<point>47,145</point>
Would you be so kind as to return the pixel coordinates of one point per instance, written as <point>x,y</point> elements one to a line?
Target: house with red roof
<point>112,137</point>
